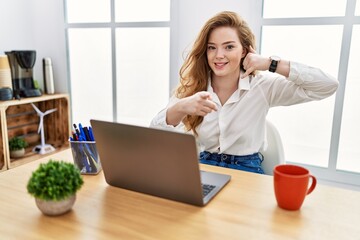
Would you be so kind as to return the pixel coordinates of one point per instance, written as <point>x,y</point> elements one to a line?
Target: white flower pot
<point>53,208</point>
<point>17,153</point>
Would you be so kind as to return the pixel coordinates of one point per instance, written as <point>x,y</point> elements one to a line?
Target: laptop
<point>158,162</point>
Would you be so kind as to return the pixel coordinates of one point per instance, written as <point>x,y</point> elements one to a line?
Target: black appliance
<point>21,64</point>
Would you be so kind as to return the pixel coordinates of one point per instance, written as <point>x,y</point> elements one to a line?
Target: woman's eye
<point>229,47</point>
<point>211,47</point>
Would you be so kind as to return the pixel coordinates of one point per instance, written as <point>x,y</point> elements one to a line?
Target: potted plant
<point>17,147</point>
<point>54,185</point>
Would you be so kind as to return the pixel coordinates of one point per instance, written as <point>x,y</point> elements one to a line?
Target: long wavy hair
<point>195,71</point>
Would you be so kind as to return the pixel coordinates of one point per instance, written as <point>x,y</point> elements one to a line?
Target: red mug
<point>291,185</point>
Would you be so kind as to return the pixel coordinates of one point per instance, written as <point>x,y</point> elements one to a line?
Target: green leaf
<point>55,180</point>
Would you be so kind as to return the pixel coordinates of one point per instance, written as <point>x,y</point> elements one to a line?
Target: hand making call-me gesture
<point>254,61</point>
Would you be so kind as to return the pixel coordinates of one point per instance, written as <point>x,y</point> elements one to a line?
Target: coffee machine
<point>21,65</point>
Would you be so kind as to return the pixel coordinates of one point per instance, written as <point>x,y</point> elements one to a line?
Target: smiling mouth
<point>220,64</point>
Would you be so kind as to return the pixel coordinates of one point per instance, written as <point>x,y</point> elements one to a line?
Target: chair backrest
<point>274,153</point>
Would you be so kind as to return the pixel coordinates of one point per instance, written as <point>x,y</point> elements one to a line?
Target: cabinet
<point>18,118</point>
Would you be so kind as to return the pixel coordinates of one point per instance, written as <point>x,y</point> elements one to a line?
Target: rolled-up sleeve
<point>304,84</point>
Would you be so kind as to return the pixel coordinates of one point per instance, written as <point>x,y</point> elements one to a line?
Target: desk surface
<point>245,209</point>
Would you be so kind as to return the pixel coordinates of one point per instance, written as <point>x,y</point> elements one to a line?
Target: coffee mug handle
<point>313,184</point>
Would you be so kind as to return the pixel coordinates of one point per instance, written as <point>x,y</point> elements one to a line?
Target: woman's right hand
<point>199,104</point>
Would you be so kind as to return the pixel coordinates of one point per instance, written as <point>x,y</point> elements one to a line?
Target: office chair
<point>274,153</point>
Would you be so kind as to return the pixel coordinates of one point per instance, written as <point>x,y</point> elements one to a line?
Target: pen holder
<point>86,157</point>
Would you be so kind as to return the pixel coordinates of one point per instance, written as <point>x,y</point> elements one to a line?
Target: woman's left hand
<point>253,62</point>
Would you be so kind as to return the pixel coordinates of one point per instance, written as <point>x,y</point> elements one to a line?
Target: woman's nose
<point>219,53</point>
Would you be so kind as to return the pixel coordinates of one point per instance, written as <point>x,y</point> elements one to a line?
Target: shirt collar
<point>244,84</point>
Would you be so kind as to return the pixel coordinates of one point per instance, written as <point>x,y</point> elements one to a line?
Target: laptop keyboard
<point>207,188</point>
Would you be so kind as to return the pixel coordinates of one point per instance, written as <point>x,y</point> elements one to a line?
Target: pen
<point>82,132</point>
<point>86,131</point>
<point>77,131</point>
<point>84,157</point>
<point>92,160</point>
<point>75,138</point>
<point>91,134</point>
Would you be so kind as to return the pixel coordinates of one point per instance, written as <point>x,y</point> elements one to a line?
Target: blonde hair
<point>195,71</point>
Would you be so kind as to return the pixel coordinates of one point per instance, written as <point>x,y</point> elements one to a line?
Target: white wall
<point>50,41</point>
<point>15,25</point>
<point>36,25</point>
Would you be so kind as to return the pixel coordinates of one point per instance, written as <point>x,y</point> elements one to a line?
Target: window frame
<point>113,25</point>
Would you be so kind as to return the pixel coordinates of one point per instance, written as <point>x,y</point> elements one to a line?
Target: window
<point>301,143</point>
<point>90,72</point>
<point>88,11</point>
<point>321,135</point>
<point>142,73</point>
<point>138,10</point>
<point>304,8</point>
<point>119,62</point>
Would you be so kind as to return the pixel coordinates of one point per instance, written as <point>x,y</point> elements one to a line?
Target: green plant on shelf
<point>55,181</point>
<point>17,143</point>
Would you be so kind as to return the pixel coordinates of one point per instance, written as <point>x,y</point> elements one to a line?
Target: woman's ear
<point>244,52</point>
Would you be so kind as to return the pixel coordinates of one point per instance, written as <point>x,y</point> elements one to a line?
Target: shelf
<point>3,164</point>
<point>18,118</point>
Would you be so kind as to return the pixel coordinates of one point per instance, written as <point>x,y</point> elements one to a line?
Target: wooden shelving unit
<point>18,118</point>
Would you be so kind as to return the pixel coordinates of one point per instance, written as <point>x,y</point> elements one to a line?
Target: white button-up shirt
<point>238,127</point>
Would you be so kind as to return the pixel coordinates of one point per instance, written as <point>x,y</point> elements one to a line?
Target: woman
<point>225,94</point>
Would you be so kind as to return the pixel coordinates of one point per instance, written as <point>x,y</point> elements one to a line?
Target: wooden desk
<point>245,209</point>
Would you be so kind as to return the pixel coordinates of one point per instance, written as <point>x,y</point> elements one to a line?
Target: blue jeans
<point>250,163</point>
